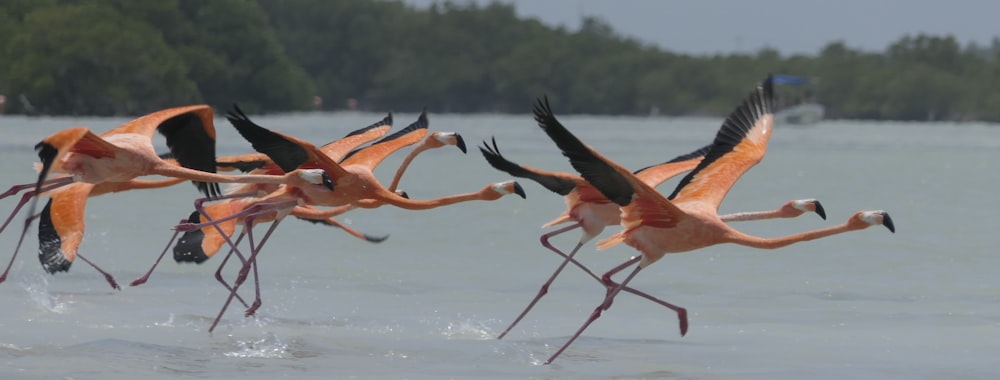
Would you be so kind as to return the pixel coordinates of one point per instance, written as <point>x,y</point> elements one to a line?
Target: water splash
<point>468,329</point>
<point>38,292</point>
<point>168,323</point>
<point>267,347</point>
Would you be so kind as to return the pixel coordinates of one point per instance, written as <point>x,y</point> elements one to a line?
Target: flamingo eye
<point>327,181</point>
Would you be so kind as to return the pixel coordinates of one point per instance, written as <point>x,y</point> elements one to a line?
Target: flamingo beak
<point>519,190</point>
<point>887,222</point>
<point>819,210</point>
<point>460,143</point>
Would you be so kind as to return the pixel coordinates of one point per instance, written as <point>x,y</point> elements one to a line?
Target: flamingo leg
<point>605,305</point>
<point>545,287</point>
<point>681,312</point>
<point>233,246</point>
<point>198,203</point>
<point>218,272</point>
<point>46,186</point>
<point>142,279</point>
<point>27,196</point>
<point>107,277</point>
<point>16,189</point>
<point>252,262</point>
<point>261,209</point>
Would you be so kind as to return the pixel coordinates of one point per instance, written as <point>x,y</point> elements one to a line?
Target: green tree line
<point>126,57</point>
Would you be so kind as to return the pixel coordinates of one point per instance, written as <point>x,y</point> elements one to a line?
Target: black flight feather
<point>598,173</point>
<point>701,152</point>
<point>421,123</point>
<point>736,126</point>
<point>286,154</point>
<point>556,185</point>
<point>192,147</point>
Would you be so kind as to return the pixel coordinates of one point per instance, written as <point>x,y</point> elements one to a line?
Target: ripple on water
<point>267,347</point>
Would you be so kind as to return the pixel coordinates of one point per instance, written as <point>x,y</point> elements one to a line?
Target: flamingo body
<point>656,225</point>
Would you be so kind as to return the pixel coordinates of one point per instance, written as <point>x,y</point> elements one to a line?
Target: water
<point>923,303</point>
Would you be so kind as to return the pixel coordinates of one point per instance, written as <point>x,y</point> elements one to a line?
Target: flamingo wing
<point>614,181</point>
<point>288,152</point>
<point>190,134</point>
<point>337,149</point>
<point>370,156</point>
<point>72,140</point>
<point>559,183</point>
<point>594,168</point>
<point>654,175</point>
<point>61,226</point>
<point>739,145</point>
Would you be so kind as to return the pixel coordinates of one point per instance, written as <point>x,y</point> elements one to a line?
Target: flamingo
<point>199,245</point>
<point>590,211</point>
<point>77,155</point>
<point>687,220</point>
<point>61,223</point>
<point>324,182</point>
<point>194,241</point>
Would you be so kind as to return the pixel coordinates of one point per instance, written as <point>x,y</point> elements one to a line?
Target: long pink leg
<point>218,272</point>
<point>682,314</point>
<point>218,275</point>
<point>45,186</point>
<point>107,276</point>
<point>605,305</point>
<point>142,279</point>
<point>30,195</point>
<point>545,287</point>
<point>191,227</point>
<point>233,246</point>
<point>250,262</point>
<point>16,189</point>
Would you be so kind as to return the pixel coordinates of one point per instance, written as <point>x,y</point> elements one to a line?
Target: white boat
<point>801,114</point>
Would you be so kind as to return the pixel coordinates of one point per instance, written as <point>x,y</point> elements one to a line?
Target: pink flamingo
<point>688,219</point>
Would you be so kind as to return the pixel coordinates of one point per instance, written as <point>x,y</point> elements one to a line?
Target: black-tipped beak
<point>519,190</point>
<point>404,194</point>
<point>887,222</point>
<point>327,181</point>
<point>460,143</point>
<point>819,210</point>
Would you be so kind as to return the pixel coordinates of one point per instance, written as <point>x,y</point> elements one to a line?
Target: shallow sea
<point>923,303</point>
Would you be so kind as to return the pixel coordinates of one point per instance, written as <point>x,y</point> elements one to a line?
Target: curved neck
<point>403,165</point>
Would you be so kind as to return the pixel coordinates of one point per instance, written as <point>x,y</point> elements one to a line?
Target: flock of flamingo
<point>289,176</point>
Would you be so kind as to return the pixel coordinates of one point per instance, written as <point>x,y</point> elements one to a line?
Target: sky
<point>790,26</point>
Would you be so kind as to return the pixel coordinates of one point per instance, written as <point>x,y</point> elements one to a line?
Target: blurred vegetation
<point>126,57</point>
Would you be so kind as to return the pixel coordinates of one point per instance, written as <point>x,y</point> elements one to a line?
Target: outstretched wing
<point>739,145</point>
<point>645,204</point>
<point>656,174</point>
<point>559,183</point>
<point>61,226</point>
<point>337,149</point>
<point>190,135</point>
<point>370,156</point>
<point>288,152</point>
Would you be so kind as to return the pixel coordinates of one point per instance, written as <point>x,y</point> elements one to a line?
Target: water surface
<point>923,303</point>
